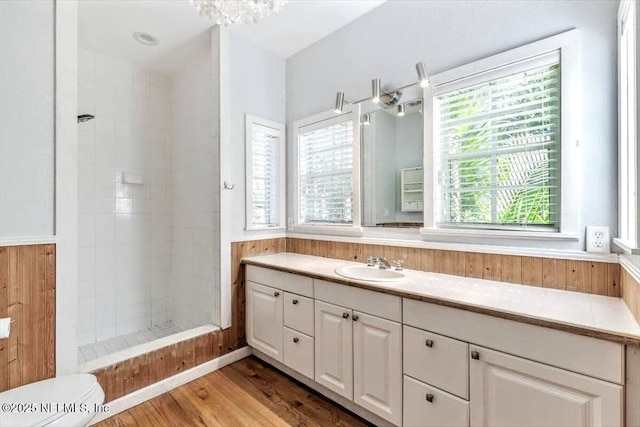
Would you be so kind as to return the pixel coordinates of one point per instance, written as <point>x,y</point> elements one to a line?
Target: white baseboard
<point>139,396</point>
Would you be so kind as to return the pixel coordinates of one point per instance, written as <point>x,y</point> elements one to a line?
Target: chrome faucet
<point>382,263</point>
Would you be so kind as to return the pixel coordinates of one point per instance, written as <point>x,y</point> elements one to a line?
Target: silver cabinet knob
<point>429,343</point>
<point>295,301</point>
<point>276,294</point>
<point>345,315</point>
<point>475,355</point>
<point>295,340</point>
<point>355,317</point>
<point>429,397</point>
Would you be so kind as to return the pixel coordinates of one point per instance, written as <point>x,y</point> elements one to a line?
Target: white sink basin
<point>371,274</point>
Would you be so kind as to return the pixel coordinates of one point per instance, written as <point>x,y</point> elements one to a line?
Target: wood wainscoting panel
<point>613,280</point>
<point>27,295</point>
<point>138,372</point>
<point>236,337</point>
<point>598,278</point>
<point>511,268</point>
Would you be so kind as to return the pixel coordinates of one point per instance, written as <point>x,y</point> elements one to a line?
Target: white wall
<point>124,229</point>
<point>195,193</point>
<point>257,88</point>
<point>388,41</point>
<point>26,118</point>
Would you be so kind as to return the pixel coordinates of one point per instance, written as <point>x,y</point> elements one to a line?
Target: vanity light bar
<point>423,80</point>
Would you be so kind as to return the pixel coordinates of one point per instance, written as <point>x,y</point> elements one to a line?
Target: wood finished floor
<point>246,393</point>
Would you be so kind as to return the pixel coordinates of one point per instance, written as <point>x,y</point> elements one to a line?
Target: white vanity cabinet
<point>359,347</point>
<point>334,348</point>
<point>280,317</point>
<point>377,366</point>
<point>511,391</point>
<point>406,362</point>
<point>531,376</point>
<point>265,319</point>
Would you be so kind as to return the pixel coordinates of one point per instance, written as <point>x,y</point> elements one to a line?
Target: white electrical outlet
<point>598,239</point>
<point>290,223</point>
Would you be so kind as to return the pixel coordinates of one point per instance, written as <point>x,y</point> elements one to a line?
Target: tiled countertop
<point>592,315</point>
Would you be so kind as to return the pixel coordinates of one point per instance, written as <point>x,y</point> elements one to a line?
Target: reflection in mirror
<point>392,177</point>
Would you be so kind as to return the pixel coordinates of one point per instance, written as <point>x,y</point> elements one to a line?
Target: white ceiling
<point>301,23</point>
<point>106,26</point>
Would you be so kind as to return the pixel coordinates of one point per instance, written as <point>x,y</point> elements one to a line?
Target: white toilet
<point>67,401</point>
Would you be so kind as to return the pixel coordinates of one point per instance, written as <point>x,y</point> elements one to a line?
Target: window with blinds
<point>498,152</point>
<point>265,157</point>
<point>325,172</point>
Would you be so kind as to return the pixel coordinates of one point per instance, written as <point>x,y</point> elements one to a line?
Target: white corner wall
<point>257,88</point>
<point>387,42</point>
<point>27,39</point>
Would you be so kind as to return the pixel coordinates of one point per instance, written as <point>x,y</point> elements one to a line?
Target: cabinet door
<point>377,366</point>
<point>265,319</point>
<point>510,391</point>
<point>334,348</point>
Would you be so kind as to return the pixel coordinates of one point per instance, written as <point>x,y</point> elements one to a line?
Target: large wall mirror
<point>392,175</point>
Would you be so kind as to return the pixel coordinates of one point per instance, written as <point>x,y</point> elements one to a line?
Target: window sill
<point>265,229</point>
<point>333,230</point>
<point>498,234</point>
<point>626,246</point>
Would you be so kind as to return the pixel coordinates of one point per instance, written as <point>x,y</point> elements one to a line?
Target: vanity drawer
<point>375,303</point>
<point>298,313</point>
<point>440,361</point>
<point>427,406</point>
<point>279,279</point>
<point>298,352</point>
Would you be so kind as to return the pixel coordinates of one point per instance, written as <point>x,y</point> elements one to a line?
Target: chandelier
<point>227,12</point>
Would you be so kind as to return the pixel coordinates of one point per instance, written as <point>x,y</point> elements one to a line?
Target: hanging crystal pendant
<point>227,12</point>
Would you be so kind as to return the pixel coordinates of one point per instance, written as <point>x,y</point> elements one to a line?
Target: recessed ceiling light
<point>145,38</point>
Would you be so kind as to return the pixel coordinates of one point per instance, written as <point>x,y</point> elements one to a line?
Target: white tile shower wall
<point>195,192</point>
<point>124,229</point>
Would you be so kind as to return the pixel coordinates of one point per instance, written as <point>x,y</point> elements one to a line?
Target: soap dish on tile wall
<point>132,178</point>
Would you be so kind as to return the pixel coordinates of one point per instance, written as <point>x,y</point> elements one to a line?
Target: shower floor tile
<point>92,351</point>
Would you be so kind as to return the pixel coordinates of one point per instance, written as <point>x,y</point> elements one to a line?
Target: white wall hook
<point>227,186</point>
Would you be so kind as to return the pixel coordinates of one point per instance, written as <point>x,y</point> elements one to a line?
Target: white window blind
<point>498,152</point>
<point>265,173</point>
<point>325,172</point>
